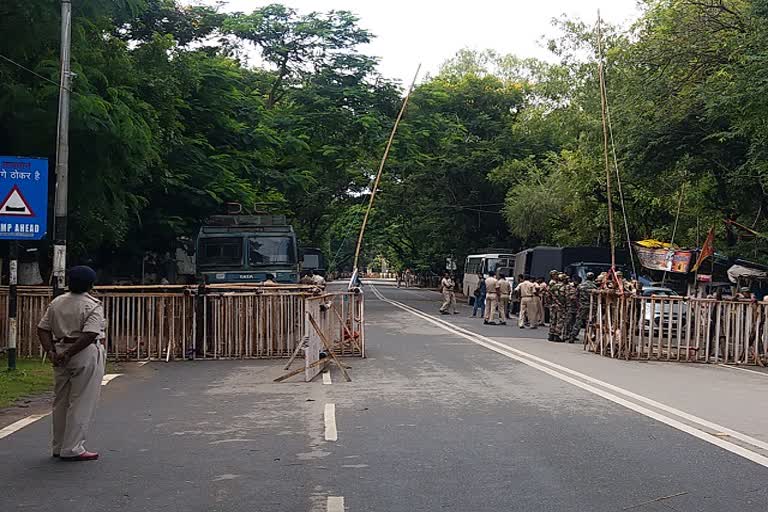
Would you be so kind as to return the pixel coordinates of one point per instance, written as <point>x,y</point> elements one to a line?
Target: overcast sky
<point>409,32</point>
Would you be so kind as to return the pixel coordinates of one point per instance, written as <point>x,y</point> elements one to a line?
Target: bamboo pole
<point>604,114</point>
<point>380,171</point>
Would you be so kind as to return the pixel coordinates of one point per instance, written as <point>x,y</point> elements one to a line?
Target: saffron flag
<point>707,250</point>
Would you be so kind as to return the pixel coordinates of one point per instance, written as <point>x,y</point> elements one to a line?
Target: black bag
<point>477,291</point>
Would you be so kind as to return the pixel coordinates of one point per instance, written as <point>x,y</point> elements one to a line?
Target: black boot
<point>551,337</point>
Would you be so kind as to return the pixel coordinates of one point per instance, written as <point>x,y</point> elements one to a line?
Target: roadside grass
<point>30,378</point>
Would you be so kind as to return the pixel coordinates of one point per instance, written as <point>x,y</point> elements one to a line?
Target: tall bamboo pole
<point>603,114</point>
<point>381,169</point>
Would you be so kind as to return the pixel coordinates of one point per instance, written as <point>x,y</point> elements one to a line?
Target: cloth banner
<point>666,260</point>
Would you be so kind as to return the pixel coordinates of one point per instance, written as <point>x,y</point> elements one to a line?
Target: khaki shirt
<point>447,284</point>
<point>504,287</point>
<point>527,289</point>
<point>318,280</point>
<point>491,285</point>
<point>72,314</point>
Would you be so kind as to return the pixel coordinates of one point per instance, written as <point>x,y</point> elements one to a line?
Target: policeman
<point>555,300</point>
<point>71,331</point>
<point>319,281</point>
<point>449,296</point>
<point>571,308</point>
<point>585,296</point>
<point>491,299</point>
<point>505,291</point>
<point>528,312</point>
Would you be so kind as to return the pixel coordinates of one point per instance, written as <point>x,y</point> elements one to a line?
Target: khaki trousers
<point>77,388</point>
<point>449,301</point>
<point>504,308</point>
<point>491,301</point>
<point>527,312</point>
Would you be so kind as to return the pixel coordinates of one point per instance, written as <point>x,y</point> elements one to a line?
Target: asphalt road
<point>438,417</point>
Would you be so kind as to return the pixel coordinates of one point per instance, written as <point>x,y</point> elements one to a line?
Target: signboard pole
<point>62,153</point>
<point>12,303</point>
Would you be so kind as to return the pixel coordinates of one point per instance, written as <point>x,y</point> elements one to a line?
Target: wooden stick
<point>381,169</point>
<point>346,329</point>
<point>299,370</point>
<point>329,348</point>
<point>295,353</point>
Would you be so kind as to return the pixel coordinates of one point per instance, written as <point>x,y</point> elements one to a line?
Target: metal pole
<point>12,303</point>
<point>62,153</point>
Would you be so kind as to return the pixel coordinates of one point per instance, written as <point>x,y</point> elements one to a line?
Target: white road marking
<point>327,378</point>
<point>141,363</point>
<point>108,378</point>
<point>330,423</point>
<point>13,427</point>
<point>560,372</point>
<point>743,369</point>
<point>335,504</point>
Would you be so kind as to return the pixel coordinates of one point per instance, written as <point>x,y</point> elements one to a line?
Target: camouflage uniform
<point>571,304</point>
<point>585,294</point>
<point>556,310</point>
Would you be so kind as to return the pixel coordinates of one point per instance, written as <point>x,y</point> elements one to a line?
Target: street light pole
<point>62,153</point>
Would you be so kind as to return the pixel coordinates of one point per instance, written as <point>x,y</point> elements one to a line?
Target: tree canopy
<point>180,109</point>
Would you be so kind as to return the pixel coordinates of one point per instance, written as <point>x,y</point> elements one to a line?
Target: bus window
<point>220,251</point>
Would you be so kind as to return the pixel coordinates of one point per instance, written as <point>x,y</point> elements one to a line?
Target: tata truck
<point>246,249</point>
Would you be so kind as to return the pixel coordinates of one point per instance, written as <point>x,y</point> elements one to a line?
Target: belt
<point>70,341</point>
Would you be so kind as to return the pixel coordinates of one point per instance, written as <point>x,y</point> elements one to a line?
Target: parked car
<point>658,314</point>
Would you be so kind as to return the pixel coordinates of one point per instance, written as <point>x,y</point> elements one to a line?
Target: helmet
<point>746,289</point>
<point>562,276</point>
<point>590,275</point>
<point>553,272</point>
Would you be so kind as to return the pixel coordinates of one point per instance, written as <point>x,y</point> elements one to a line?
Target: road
<point>444,414</point>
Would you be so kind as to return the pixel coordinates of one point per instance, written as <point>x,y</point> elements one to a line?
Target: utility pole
<point>62,153</point>
<point>13,281</point>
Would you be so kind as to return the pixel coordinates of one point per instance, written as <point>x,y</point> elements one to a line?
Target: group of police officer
<point>566,299</point>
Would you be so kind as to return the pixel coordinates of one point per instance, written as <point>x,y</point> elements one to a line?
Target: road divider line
<point>141,363</point>
<point>109,377</point>
<point>730,366</point>
<point>335,504</point>
<point>330,423</point>
<point>18,425</point>
<point>561,372</point>
<point>327,377</point>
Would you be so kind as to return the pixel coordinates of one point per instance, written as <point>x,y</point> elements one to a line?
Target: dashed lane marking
<point>327,378</point>
<point>330,423</point>
<point>335,504</point>
<point>109,377</point>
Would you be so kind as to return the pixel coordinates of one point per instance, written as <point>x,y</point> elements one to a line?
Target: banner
<point>665,260</point>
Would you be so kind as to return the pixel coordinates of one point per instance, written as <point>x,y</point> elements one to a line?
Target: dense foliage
<point>179,109</point>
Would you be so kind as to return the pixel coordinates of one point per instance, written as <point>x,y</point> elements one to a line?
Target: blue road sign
<point>23,198</point>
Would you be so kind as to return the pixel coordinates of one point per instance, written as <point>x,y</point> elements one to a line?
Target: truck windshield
<point>270,250</point>
<point>225,251</point>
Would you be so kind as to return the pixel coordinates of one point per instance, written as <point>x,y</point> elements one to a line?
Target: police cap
<point>590,275</point>
<point>82,274</point>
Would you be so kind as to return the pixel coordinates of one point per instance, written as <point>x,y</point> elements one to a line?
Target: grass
<point>31,377</point>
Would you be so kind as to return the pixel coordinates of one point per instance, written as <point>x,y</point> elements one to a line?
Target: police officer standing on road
<point>528,311</point>
<point>571,308</point>
<point>585,296</point>
<point>71,331</point>
<point>556,308</point>
<point>505,290</point>
<point>491,299</point>
<point>449,296</point>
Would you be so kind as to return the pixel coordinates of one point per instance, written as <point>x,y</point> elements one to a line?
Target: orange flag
<point>707,250</point>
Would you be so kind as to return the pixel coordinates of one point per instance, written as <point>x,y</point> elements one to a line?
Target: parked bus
<point>483,264</point>
<point>246,248</point>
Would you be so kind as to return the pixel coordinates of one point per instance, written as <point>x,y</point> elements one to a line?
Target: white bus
<point>483,264</point>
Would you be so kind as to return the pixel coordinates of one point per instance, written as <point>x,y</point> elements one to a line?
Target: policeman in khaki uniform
<point>449,296</point>
<point>71,332</point>
<point>491,299</point>
<point>528,311</point>
<point>505,291</point>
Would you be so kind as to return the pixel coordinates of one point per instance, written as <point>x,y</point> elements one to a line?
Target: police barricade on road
<point>181,322</point>
<point>674,328</point>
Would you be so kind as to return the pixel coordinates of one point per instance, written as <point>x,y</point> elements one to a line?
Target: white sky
<point>410,32</point>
